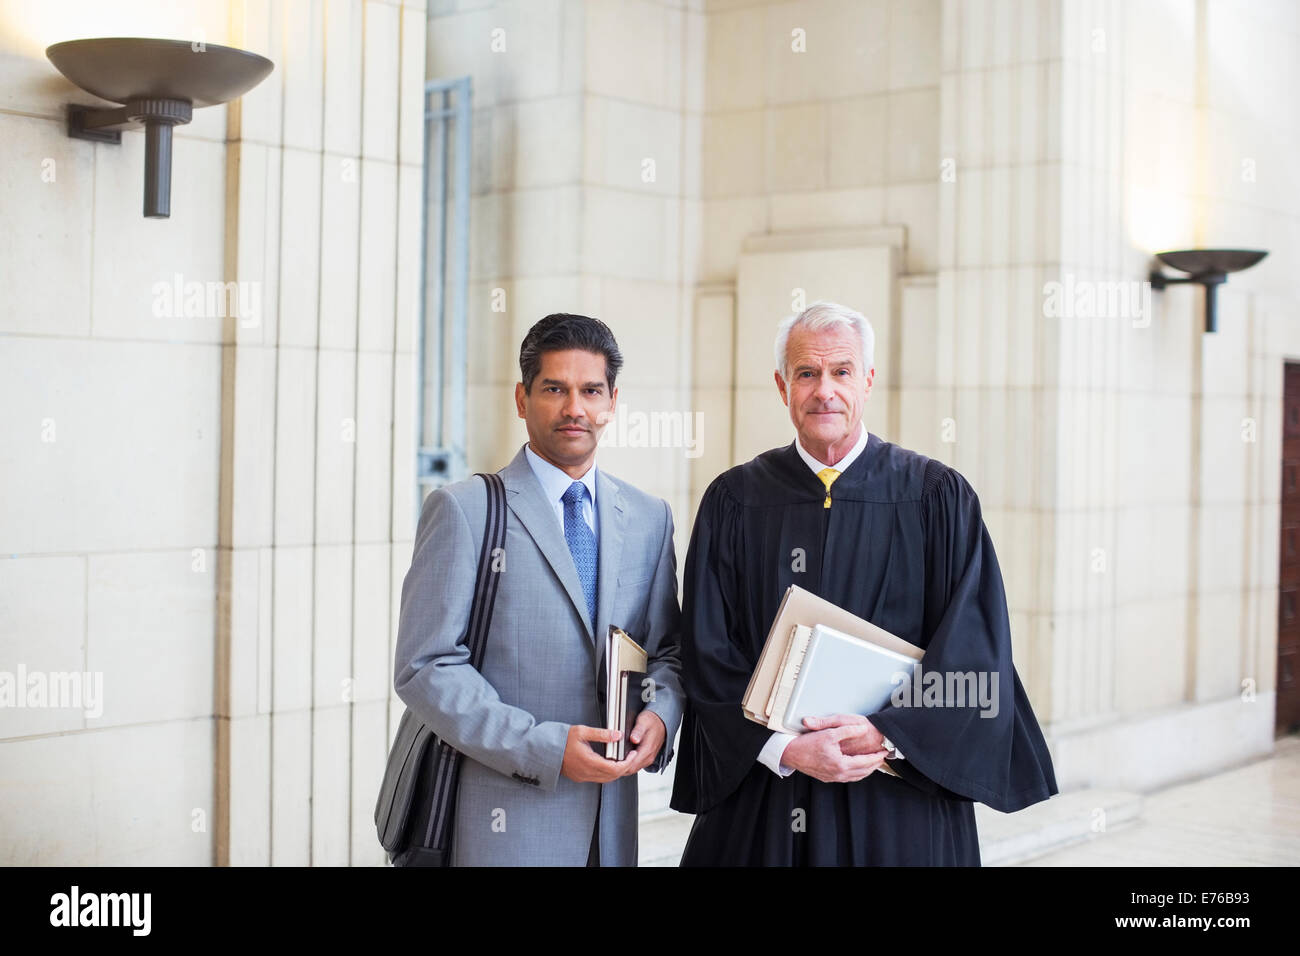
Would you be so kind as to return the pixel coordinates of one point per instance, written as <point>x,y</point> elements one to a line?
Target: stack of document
<point>819,660</point>
<point>625,669</point>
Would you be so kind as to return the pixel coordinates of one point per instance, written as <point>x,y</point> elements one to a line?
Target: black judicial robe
<point>904,546</point>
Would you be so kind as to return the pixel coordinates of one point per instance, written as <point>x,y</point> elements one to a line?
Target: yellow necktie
<point>828,476</point>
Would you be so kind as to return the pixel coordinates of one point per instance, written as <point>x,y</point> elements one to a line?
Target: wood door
<point>1288,599</point>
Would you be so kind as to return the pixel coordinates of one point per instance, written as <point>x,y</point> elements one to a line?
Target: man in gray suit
<point>583,551</point>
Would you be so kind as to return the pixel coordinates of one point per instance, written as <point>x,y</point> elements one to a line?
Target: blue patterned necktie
<point>582,545</point>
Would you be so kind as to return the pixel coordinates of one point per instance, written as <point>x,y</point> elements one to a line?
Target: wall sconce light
<point>1208,267</point>
<point>159,84</point>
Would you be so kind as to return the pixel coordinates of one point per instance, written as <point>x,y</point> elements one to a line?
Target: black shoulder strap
<point>485,586</point>
<point>447,772</point>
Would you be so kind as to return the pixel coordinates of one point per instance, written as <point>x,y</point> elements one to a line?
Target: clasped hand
<point>840,748</point>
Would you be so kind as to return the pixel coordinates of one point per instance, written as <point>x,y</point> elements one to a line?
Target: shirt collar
<point>555,482</point>
<point>843,464</point>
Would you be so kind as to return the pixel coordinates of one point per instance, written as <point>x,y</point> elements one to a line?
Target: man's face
<point>568,406</point>
<point>828,385</point>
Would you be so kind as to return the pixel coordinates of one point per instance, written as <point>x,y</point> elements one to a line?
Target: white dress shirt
<point>770,755</point>
<point>555,483</point>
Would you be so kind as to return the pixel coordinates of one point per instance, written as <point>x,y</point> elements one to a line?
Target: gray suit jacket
<point>542,663</point>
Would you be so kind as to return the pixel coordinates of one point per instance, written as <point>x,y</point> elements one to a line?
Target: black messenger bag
<point>417,799</point>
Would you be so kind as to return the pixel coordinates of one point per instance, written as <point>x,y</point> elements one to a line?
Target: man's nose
<point>573,407</point>
<point>825,389</point>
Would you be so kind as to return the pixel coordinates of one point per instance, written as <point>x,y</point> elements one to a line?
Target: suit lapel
<point>526,499</point>
<point>612,526</point>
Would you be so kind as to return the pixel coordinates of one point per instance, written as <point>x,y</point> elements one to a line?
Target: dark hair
<point>560,331</point>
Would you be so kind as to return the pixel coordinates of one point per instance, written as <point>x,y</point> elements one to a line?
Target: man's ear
<point>780,387</point>
<point>607,416</point>
<point>871,377</point>
<point>519,399</point>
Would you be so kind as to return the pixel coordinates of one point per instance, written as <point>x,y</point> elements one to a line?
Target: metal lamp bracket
<point>158,116</point>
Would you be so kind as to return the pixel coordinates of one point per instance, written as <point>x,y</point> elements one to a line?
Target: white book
<point>843,674</point>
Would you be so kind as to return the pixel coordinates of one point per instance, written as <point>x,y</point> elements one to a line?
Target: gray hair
<point>818,317</point>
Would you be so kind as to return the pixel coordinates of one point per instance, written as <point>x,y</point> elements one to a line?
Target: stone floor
<point>1246,816</point>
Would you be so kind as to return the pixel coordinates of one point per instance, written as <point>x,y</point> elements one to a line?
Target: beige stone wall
<point>325,184</point>
<point>980,397</point>
<point>110,451</point>
<point>214,517</point>
<point>821,152</point>
<point>1164,596</point>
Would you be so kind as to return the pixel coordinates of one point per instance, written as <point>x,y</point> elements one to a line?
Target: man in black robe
<point>898,539</point>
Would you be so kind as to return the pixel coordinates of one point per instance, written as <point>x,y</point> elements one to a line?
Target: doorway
<point>1288,600</point>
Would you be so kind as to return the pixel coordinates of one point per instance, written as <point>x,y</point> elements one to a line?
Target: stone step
<point>1065,819</point>
<point>1005,838</point>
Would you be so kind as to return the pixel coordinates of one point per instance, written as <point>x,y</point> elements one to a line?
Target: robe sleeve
<point>993,755</point>
<point>719,744</point>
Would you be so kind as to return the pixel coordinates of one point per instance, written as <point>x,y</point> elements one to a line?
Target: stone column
<point>323,215</point>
